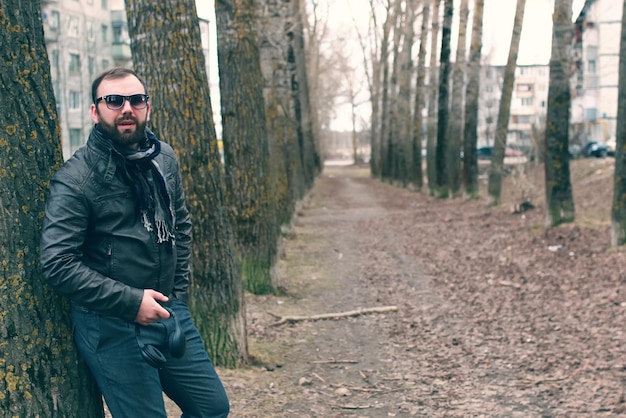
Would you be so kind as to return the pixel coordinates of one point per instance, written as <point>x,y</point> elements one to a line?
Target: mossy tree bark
<point>246,152</point>
<point>167,51</point>
<point>40,371</point>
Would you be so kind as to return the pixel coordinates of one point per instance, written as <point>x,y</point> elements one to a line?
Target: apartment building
<point>596,71</point>
<point>83,38</point>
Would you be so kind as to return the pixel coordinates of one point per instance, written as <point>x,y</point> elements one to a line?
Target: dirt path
<point>496,317</point>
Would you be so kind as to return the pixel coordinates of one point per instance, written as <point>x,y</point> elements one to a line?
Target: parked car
<point>595,149</point>
<point>611,145</point>
<point>483,153</point>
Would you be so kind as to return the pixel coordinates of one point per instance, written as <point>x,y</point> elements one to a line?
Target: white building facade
<point>596,69</point>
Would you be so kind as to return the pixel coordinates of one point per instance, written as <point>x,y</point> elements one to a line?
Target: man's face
<point>127,124</point>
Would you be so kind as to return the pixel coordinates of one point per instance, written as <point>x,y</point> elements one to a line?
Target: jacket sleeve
<point>183,234</point>
<point>64,231</point>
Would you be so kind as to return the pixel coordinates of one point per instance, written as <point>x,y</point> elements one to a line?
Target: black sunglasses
<point>116,101</point>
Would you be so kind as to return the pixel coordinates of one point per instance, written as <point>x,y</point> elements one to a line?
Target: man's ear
<point>94,113</point>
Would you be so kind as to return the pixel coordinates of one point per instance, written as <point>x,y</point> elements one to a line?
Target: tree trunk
<point>618,212</point>
<point>455,124</point>
<point>470,133</point>
<point>167,50</point>
<point>496,169</point>
<point>244,132</point>
<point>385,99</point>
<point>559,198</point>
<point>431,142</point>
<point>403,159</point>
<point>375,85</point>
<point>441,153</point>
<point>311,160</point>
<point>390,140</point>
<point>285,168</point>
<point>416,176</point>
<point>41,374</point>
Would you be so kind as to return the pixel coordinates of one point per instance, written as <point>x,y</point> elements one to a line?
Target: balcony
<point>121,51</point>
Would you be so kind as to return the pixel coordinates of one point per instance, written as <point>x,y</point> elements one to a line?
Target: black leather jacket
<point>94,247</point>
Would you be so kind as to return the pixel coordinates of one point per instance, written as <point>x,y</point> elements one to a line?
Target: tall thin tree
<point>441,154</point>
<point>244,132</point>
<point>431,139</point>
<point>41,374</point>
<point>496,169</point>
<point>167,50</point>
<point>403,156</point>
<point>455,124</point>
<point>416,175</point>
<point>470,133</point>
<point>618,211</point>
<point>559,195</point>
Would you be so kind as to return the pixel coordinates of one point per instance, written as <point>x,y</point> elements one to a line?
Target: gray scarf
<point>153,199</point>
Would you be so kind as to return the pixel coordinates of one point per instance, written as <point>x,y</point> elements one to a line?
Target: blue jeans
<point>134,389</point>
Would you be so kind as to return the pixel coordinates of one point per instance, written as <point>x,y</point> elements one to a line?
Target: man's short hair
<point>114,73</point>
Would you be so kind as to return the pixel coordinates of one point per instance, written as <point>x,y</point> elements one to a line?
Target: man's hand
<point>150,309</point>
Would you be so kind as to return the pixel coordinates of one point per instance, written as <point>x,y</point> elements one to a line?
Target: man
<point>116,241</point>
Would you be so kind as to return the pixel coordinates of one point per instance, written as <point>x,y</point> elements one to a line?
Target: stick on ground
<point>290,319</point>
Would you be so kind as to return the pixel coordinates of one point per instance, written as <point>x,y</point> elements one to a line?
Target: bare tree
<point>455,124</point>
<point>244,132</point>
<point>403,156</point>
<point>390,23</point>
<point>470,133</point>
<point>416,176</point>
<point>41,372</point>
<point>496,169</point>
<point>169,55</point>
<point>305,117</point>
<point>618,212</point>
<point>441,153</point>
<point>559,198</point>
<point>390,139</point>
<point>431,141</point>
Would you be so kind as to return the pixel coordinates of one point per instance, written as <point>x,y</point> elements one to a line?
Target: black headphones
<point>175,340</point>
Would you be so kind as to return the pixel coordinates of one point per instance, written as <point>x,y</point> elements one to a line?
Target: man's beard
<point>126,139</point>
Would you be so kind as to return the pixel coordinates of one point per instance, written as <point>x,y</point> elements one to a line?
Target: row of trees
<point>449,98</point>
<point>270,162</point>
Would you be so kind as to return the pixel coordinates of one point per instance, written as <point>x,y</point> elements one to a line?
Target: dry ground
<point>496,315</point>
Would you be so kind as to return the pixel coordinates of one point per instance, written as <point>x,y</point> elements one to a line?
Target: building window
<point>104,4</point>
<point>105,33</point>
<point>54,59</point>
<point>527,101</point>
<point>74,63</point>
<point>117,35</point>
<point>74,99</point>
<point>591,66</point>
<point>91,64</point>
<point>55,19</point>
<point>72,27</point>
<point>75,138</point>
<point>90,31</point>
